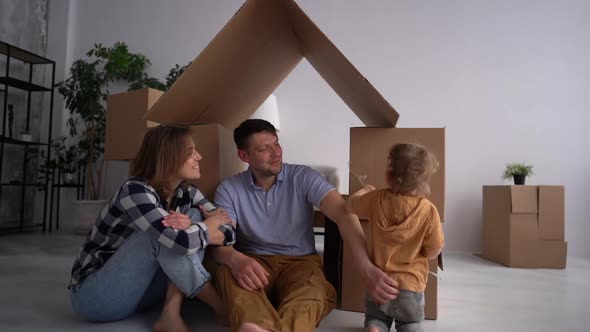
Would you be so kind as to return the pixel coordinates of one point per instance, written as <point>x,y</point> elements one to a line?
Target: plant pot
<point>519,179</point>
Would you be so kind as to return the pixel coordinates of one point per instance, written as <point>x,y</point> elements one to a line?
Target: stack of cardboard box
<point>126,126</point>
<point>524,226</point>
<point>238,70</point>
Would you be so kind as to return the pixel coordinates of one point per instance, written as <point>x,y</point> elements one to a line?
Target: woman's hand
<point>177,221</point>
<point>216,212</point>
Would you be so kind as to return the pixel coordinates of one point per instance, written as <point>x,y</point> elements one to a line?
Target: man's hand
<point>379,285</point>
<point>249,274</point>
<point>219,212</point>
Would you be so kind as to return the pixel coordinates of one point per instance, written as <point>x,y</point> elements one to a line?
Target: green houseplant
<point>151,82</point>
<point>518,172</point>
<point>85,92</point>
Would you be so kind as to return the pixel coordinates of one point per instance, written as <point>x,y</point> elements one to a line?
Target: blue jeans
<point>407,311</point>
<point>136,277</point>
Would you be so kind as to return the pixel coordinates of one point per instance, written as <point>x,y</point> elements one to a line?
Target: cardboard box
<point>248,59</point>
<point>524,226</point>
<point>220,159</point>
<point>216,146</point>
<point>125,122</point>
<point>369,148</point>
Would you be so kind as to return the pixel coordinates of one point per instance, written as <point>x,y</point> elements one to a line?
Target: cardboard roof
<point>248,59</point>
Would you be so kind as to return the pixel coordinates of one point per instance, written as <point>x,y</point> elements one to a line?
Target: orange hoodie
<point>402,227</point>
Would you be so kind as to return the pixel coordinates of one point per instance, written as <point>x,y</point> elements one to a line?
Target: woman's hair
<point>160,156</point>
<point>409,168</point>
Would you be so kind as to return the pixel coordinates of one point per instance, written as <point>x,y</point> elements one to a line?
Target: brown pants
<point>296,298</point>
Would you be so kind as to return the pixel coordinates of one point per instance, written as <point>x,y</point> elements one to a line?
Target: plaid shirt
<point>137,206</point>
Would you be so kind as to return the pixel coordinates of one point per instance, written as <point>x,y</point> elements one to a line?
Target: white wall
<point>508,80</point>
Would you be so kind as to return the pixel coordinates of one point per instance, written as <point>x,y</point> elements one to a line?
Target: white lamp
<point>268,111</point>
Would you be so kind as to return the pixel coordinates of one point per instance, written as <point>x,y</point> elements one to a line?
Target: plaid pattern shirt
<point>137,206</point>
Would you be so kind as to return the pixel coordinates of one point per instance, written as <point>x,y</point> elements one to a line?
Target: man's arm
<point>380,286</point>
<point>249,274</point>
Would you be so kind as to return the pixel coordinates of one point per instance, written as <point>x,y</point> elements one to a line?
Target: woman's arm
<point>227,230</point>
<point>140,204</point>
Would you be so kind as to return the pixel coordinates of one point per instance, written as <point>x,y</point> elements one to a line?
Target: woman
<point>144,244</point>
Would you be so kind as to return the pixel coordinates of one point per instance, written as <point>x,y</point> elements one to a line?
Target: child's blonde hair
<point>409,168</point>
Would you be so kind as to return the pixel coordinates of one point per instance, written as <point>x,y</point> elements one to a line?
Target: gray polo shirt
<point>278,221</point>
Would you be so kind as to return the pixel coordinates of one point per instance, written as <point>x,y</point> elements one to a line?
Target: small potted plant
<point>65,160</point>
<point>518,172</point>
<point>85,92</point>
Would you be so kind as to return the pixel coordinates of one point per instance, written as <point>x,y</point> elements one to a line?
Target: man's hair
<point>409,168</point>
<point>250,127</point>
<point>160,156</point>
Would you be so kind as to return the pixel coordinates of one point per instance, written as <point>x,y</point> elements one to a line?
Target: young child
<point>406,233</point>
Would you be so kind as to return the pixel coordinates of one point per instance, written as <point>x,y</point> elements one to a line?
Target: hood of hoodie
<point>398,215</point>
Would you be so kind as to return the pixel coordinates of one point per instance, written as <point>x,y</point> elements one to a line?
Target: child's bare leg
<point>209,295</point>
<point>170,320</point>
<point>251,327</point>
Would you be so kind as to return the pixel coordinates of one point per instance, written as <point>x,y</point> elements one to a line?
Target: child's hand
<point>368,188</point>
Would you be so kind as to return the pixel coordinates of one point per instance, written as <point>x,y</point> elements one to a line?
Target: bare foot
<point>170,322</point>
<point>251,327</point>
<point>372,329</point>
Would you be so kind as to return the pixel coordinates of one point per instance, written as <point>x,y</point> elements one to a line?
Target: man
<point>273,277</point>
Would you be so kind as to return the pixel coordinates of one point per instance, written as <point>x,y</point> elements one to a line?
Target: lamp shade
<point>268,111</point>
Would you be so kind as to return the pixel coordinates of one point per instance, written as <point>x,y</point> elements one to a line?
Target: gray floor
<point>474,294</point>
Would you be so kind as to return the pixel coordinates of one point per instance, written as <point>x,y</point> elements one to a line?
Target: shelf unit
<point>15,56</point>
<point>57,184</point>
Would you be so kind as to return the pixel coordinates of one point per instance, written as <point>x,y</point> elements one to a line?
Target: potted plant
<point>85,92</point>
<point>518,172</point>
<point>67,160</point>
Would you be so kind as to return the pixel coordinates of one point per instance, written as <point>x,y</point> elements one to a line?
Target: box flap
<point>552,213</point>
<point>496,224</point>
<point>236,72</point>
<point>524,199</point>
<point>355,90</point>
<point>523,228</point>
<point>431,293</point>
<point>247,60</point>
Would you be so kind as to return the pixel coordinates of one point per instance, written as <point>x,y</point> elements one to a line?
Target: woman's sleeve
<point>198,199</point>
<point>141,205</point>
